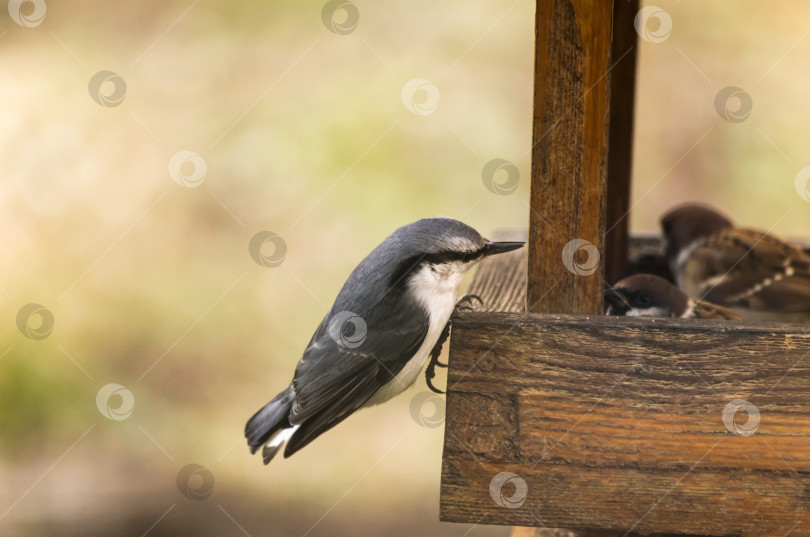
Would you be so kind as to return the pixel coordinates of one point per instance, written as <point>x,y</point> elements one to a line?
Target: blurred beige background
<point>303,133</point>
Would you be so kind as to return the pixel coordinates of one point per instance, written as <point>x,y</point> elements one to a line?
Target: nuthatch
<point>374,341</point>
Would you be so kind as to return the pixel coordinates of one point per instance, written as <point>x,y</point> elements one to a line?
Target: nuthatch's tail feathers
<point>271,420</point>
<point>271,448</point>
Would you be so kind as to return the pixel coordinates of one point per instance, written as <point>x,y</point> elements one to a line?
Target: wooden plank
<point>620,137</point>
<point>618,424</point>
<point>569,151</point>
<point>500,280</point>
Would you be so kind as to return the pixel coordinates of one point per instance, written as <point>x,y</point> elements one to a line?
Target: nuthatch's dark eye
<point>644,300</point>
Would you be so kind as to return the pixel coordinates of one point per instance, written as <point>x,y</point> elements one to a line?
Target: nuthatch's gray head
<point>445,246</point>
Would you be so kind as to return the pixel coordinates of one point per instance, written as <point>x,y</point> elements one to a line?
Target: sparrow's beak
<point>617,301</point>
<point>492,248</point>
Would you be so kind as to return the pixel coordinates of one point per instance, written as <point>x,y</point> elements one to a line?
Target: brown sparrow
<point>758,276</point>
<point>645,295</point>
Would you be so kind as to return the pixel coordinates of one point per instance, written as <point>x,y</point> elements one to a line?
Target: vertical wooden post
<point>569,154</point>
<point>622,100</point>
<point>573,105</point>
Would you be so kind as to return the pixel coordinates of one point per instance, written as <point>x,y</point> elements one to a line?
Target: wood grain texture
<point>620,137</point>
<point>617,424</point>
<point>569,151</point>
<point>500,280</point>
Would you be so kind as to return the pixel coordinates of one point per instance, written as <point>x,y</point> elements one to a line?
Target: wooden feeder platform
<point>612,425</point>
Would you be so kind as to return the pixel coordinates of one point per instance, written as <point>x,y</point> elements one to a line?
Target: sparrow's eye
<point>644,300</point>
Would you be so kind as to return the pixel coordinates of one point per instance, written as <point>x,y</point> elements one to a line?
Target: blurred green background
<point>304,133</point>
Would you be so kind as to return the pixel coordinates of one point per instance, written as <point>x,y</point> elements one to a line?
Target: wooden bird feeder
<point>612,425</point>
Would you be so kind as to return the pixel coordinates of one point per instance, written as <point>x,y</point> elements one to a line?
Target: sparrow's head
<point>645,295</point>
<point>684,225</point>
<point>444,246</point>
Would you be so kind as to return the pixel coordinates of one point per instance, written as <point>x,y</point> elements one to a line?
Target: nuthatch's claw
<point>469,303</point>
<point>429,379</point>
<point>430,372</point>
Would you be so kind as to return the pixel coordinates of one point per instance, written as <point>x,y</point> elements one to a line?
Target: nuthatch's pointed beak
<point>615,298</point>
<point>492,248</point>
